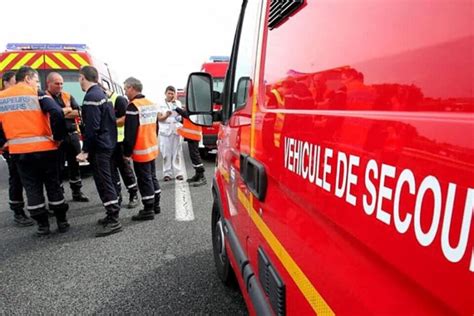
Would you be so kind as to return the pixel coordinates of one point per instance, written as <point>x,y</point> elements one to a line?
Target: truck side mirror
<point>199,98</point>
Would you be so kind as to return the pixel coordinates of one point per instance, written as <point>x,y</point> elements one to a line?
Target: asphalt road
<point>163,267</point>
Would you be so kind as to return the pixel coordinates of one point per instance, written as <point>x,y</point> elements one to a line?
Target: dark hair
<point>90,73</point>
<point>7,76</point>
<point>170,88</point>
<point>23,72</point>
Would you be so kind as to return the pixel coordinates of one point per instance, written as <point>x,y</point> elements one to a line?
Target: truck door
<point>235,131</point>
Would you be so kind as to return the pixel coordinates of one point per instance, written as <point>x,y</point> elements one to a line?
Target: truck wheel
<point>223,267</point>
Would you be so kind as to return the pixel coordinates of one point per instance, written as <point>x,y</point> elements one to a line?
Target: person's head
<point>132,87</point>
<point>88,76</point>
<point>8,79</point>
<point>170,93</point>
<point>28,75</point>
<point>55,83</point>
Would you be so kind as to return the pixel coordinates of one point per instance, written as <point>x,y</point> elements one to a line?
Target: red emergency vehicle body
<point>217,67</point>
<point>361,115</point>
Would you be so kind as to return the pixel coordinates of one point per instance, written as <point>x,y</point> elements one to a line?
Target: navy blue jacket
<point>100,126</point>
<point>56,115</point>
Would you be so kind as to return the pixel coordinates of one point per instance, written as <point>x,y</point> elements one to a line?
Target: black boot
<point>133,200</point>
<point>21,220</point>
<point>43,223</point>
<point>193,178</point>
<point>201,180</point>
<point>146,214</point>
<point>61,220</point>
<point>156,205</point>
<point>78,196</point>
<point>111,225</point>
<point>102,221</point>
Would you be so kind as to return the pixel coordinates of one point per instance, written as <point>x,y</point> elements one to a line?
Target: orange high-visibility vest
<point>26,127</point>
<point>190,130</point>
<point>66,97</point>
<point>146,145</point>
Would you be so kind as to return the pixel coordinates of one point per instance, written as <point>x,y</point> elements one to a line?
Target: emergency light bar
<point>46,46</point>
<point>219,59</point>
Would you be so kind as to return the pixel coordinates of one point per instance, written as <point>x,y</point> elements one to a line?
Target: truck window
<point>218,84</point>
<point>244,67</point>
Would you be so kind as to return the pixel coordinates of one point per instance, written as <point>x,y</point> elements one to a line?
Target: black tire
<point>221,260</point>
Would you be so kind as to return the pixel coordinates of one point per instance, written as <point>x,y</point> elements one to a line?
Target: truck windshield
<point>218,84</point>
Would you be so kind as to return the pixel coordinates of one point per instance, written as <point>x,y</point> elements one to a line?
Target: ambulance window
<point>244,67</point>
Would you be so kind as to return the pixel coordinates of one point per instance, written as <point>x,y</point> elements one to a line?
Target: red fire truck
<point>66,59</point>
<point>217,68</point>
<point>345,174</point>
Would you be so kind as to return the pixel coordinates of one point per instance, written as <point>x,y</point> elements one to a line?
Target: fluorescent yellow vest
<point>120,129</point>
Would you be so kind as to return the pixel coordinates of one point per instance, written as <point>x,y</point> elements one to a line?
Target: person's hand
<point>168,113</point>
<point>67,110</point>
<point>82,157</point>
<point>127,158</point>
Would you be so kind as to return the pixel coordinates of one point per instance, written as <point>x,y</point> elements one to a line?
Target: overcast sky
<point>158,42</point>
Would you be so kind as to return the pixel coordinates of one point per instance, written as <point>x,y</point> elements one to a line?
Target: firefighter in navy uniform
<point>71,145</point>
<point>33,146</point>
<point>141,144</point>
<point>100,139</point>
<point>123,164</point>
<point>15,187</point>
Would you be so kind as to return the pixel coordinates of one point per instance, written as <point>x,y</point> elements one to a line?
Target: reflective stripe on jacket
<point>26,127</point>
<point>146,145</point>
<point>190,130</point>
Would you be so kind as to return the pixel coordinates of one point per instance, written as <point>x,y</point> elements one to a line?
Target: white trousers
<point>170,147</point>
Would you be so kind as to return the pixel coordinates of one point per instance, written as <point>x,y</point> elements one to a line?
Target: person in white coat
<point>170,141</point>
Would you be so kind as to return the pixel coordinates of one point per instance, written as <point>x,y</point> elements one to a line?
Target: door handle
<point>253,173</point>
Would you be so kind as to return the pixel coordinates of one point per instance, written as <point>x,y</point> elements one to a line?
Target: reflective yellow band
<point>51,63</point>
<point>79,59</point>
<point>65,61</point>
<point>23,60</point>
<point>315,300</point>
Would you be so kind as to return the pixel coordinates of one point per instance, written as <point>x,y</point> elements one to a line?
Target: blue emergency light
<point>219,59</point>
<point>46,46</point>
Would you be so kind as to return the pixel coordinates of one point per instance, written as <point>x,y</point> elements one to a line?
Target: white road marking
<point>183,202</point>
